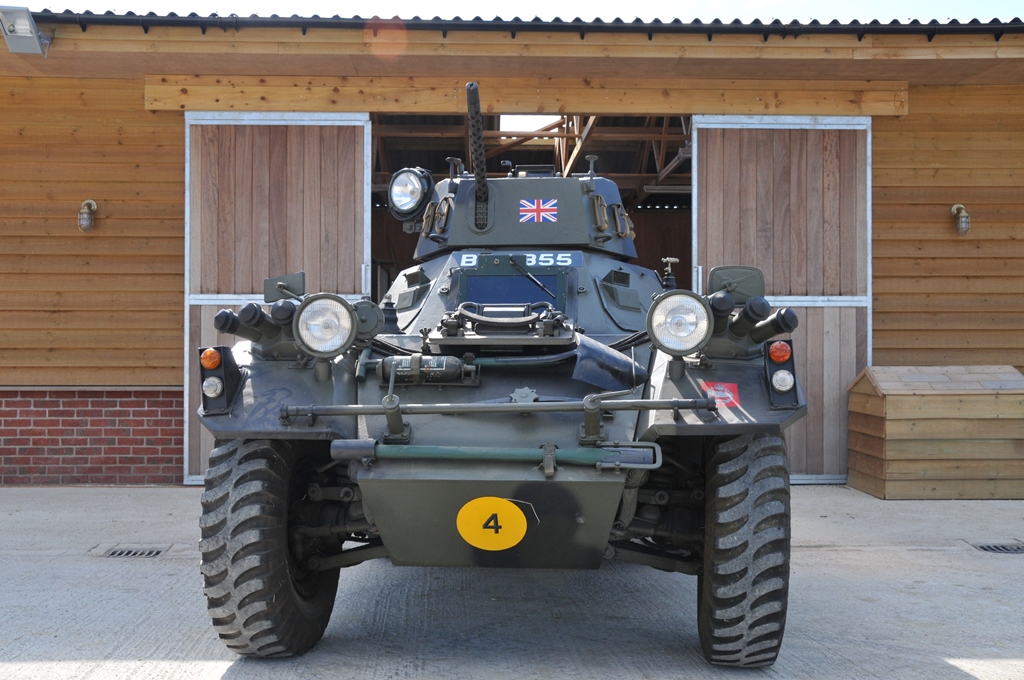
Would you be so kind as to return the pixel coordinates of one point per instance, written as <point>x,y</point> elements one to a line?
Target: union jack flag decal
<point>541,210</point>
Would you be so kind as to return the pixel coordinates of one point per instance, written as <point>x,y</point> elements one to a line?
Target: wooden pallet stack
<point>937,432</point>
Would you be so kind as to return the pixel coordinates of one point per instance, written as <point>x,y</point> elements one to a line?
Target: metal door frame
<point>259,118</point>
<point>706,121</point>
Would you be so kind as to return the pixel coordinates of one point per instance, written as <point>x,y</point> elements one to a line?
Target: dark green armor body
<point>511,373</point>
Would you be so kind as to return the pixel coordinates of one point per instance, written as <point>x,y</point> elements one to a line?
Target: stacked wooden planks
<point>941,298</point>
<point>102,308</point>
<point>937,432</point>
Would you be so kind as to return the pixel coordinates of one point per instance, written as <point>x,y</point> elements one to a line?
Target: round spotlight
<point>324,325</point>
<point>409,193</point>
<point>679,323</point>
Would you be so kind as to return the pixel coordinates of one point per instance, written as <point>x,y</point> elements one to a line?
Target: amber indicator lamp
<point>210,359</point>
<point>779,352</point>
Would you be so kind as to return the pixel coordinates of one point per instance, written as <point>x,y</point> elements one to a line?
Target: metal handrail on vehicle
<point>591,406</point>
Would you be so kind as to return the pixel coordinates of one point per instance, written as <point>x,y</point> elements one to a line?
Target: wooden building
<point>222,150</point>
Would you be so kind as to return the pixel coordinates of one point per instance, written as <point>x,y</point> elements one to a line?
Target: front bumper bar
<point>591,406</point>
<point>629,455</point>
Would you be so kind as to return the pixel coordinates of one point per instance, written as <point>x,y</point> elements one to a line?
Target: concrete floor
<point>879,590</point>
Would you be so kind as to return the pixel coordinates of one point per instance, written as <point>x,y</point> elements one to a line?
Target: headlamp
<point>324,325</point>
<point>679,323</point>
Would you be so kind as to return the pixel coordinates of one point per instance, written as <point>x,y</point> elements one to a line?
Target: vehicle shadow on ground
<point>493,623</point>
<point>622,621</point>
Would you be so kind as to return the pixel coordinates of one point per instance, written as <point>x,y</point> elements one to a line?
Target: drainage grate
<point>127,552</point>
<point>1002,548</point>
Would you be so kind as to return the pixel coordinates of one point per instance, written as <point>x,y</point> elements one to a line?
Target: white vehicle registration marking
<point>553,259</point>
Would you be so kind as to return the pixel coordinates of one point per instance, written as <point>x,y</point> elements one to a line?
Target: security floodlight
<point>20,32</point>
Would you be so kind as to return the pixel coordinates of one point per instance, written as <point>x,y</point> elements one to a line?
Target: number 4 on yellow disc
<point>491,523</point>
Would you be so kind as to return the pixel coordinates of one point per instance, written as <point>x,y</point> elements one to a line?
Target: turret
<point>533,207</point>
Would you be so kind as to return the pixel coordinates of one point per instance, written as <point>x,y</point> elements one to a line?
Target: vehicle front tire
<point>744,585</point>
<point>261,600</point>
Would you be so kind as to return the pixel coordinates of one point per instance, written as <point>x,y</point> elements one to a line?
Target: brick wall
<point>112,436</point>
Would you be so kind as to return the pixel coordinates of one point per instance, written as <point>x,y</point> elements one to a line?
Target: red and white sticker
<point>726,394</point>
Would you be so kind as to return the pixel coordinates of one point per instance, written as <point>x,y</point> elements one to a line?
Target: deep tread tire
<point>261,602</point>
<point>744,587</point>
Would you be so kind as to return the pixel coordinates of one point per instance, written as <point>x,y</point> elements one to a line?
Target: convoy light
<point>210,359</point>
<point>780,352</point>
<point>783,381</point>
<point>324,325</point>
<point>409,193</point>
<point>679,322</point>
<point>213,387</point>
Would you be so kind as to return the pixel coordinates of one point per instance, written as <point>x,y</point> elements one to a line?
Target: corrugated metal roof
<point>794,28</point>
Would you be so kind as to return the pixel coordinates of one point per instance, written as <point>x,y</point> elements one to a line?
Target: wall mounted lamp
<point>963,220</point>
<point>20,32</point>
<point>86,219</point>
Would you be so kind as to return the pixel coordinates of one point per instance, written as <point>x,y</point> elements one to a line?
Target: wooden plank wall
<point>102,308</point>
<point>791,202</point>
<point>664,233</point>
<point>272,199</point>
<point>830,349</point>
<point>941,298</point>
<point>267,200</point>
<point>794,203</point>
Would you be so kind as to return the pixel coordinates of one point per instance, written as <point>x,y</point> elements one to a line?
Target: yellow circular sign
<point>491,523</point>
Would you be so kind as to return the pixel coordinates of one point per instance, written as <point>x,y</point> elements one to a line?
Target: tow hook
<point>549,461</point>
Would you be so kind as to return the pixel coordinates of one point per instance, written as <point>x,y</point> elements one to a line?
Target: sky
<point>665,10</point>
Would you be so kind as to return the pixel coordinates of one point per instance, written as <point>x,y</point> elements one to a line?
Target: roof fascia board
<point>775,28</point>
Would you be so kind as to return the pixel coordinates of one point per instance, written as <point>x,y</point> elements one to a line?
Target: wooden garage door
<point>793,201</point>
<point>265,200</point>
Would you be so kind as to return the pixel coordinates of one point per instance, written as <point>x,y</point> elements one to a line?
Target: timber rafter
<point>630,150</point>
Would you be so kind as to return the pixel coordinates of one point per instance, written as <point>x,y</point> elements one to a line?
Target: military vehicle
<point>524,397</point>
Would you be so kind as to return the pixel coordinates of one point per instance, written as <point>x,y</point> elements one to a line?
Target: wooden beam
<point>610,133</point>
<point>526,95</point>
<point>681,156</point>
<point>662,145</point>
<point>393,43</point>
<point>625,180</point>
<point>131,51</point>
<point>579,146</point>
<point>380,148</point>
<point>521,138</point>
<point>647,150</point>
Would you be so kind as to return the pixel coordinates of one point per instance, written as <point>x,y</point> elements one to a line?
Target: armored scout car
<point>524,397</point>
